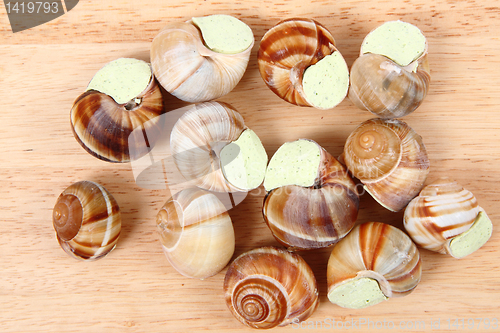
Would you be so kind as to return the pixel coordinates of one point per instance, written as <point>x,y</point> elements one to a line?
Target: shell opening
<point>473,239</point>
<point>357,293</point>
<point>67,216</point>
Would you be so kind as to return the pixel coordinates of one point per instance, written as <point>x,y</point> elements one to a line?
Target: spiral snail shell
<point>391,77</point>
<point>87,221</point>
<point>390,159</point>
<point>374,262</point>
<point>196,233</point>
<point>312,201</point>
<point>299,62</point>
<point>202,59</point>
<point>446,218</point>
<point>269,287</point>
<point>212,147</point>
<point>122,96</point>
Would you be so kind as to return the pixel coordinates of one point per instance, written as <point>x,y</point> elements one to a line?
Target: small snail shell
<point>103,119</point>
<point>374,262</point>
<point>87,221</point>
<point>192,72</point>
<point>211,146</point>
<point>196,233</point>
<point>390,159</point>
<point>446,218</point>
<point>311,215</point>
<point>383,80</point>
<point>289,55</point>
<point>269,286</point>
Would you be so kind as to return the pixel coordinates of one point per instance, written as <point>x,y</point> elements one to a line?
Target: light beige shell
<point>196,233</point>
<point>190,71</point>
<point>378,251</point>
<point>269,286</point>
<point>385,88</point>
<point>443,210</point>
<point>390,159</point>
<point>196,140</point>
<point>87,221</point>
<point>314,217</point>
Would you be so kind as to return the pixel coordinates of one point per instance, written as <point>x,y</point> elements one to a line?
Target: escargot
<point>202,59</point>
<point>269,287</point>
<point>196,233</point>
<point>299,62</point>
<point>123,96</point>
<point>212,147</point>
<point>446,218</point>
<point>87,221</point>
<point>390,159</point>
<point>376,261</point>
<point>391,77</point>
<point>312,201</point>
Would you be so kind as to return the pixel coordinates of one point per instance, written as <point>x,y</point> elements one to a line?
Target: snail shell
<point>293,47</point>
<point>316,216</point>
<point>269,286</point>
<point>105,127</point>
<point>189,70</point>
<point>87,221</point>
<point>374,262</point>
<point>196,233</point>
<point>390,159</point>
<point>198,144</point>
<point>381,85</point>
<point>446,218</point>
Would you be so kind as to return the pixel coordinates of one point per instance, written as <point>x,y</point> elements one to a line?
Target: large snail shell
<point>390,159</point>
<point>196,233</point>
<point>442,211</point>
<point>313,217</point>
<point>189,70</point>
<point>105,128</point>
<point>270,287</point>
<point>87,221</point>
<point>197,140</point>
<point>389,90</point>
<point>287,50</point>
<point>372,251</point>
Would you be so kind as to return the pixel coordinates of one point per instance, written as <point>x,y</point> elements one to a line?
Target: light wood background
<point>134,289</point>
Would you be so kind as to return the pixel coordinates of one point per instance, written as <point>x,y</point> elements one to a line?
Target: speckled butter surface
<point>244,161</point>
<point>400,41</point>
<point>325,83</point>
<point>294,163</point>
<point>357,293</point>
<point>224,33</point>
<point>471,240</point>
<point>122,79</point>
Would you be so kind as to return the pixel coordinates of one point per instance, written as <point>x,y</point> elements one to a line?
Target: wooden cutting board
<point>134,289</point>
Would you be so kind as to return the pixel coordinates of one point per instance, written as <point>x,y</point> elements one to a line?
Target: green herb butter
<point>294,163</point>
<point>122,79</point>
<point>326,82</point>
<point>400,41</point>
<point>471,240</point>
<point>224,33</point>
<point>357,293</point>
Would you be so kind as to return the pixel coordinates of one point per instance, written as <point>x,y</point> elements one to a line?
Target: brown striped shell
<point>87,221</point>
<point>105,129</point>
<point>390,159</point>
<point>442,210</point>
<point>196,233</point>
<point>304,218</point>
<point>287,50</point>
<point>196,140</point>
<point>269,287</point>
<point>189,70</point>
<point>378,251</point>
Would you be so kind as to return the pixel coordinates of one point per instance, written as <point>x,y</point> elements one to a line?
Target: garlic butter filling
<point>122,79</point>
<point>357,293</point>
<point>474,238</point>
<point>224,33</point>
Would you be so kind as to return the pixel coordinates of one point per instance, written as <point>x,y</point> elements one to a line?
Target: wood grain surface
<point>134,289</point>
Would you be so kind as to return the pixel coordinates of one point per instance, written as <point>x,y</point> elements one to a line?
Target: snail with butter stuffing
<point>446,218</point>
